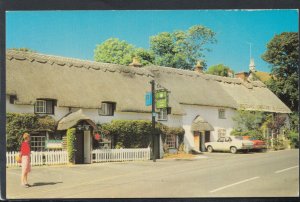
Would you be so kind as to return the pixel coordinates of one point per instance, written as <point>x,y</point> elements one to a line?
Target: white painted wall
<point>211,115</point>
<point>173,120</point>
<point>59,112</point>
<point>18,108</point>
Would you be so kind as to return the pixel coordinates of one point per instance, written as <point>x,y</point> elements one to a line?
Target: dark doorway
<point>207,136</point>
<point>202,141</point>
<point>79,155</point>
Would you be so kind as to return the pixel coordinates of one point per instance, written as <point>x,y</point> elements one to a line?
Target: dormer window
<point>44,106</point>
<point>12,99</point>
<point>107,109</point>
<point>162,114</point>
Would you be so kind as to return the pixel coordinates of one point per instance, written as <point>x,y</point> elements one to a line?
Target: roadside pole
<point>153,120</point>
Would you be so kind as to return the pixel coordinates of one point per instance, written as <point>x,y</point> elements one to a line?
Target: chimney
<point>199,67</point>
<point>135,62</point>
<point>242,75</point>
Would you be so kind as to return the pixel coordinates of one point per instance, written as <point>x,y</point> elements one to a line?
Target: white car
<point>231,143</point>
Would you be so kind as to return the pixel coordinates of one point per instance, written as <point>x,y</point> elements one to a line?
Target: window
<point>171,141</point>
<point>44,107</point>
<point>162,114</point>
<point>107,109</point>
<point>222,114</point>
<point>221,132</point>
<point>12,99</point>
<point>221,139</point>
<point>37,143</point>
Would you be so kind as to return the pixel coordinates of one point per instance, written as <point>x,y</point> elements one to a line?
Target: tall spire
<point>252,65</point>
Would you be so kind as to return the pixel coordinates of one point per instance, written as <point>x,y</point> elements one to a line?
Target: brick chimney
<point>199,66</point>
<point>135,62</point>
<point>242,75</point>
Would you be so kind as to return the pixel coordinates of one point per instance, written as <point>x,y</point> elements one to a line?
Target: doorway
<point>197,140</point>
<point>87,146</point>
<point>83,146</point>
<point>79,147</point>
<point>207,136</point>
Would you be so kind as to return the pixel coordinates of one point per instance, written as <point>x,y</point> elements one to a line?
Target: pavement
<point>270,174</point>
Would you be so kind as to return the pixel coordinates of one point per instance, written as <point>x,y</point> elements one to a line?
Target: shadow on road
<point>44,183</point>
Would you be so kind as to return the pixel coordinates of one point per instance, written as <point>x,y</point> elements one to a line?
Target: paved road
<point>268,174</point>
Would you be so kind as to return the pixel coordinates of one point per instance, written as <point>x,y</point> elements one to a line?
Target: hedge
<point>138,133</point>
<point>17,124</point>
<point>71,138</point>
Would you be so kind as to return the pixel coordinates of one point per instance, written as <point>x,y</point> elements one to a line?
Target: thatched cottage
<point>202,104</point>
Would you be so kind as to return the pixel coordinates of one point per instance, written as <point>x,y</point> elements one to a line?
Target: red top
<point>25,149</point>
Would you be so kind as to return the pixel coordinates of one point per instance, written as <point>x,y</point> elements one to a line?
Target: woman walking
<point>25,157</point>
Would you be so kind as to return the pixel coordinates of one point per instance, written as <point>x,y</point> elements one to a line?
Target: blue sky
<point>76,33</point>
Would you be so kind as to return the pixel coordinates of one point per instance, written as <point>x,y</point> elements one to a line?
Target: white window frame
<point>106,109</point>
<point>40,107</point>
<point>171,140</point>
<point>38,143</point>
<point>222,113</point>
<point>162,114</point>
<point>44,107</point>
<point>221,132</point>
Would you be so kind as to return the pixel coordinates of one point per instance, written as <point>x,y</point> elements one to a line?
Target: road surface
<point>270,174</point>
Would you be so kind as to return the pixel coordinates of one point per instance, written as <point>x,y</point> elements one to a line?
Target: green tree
<point>181,49</point>
<point>114,51</point>
<point>120,52</point>
<point>144,56</point>
<point>248,123</point>
<point>220,70</point>
<point>283,55</point>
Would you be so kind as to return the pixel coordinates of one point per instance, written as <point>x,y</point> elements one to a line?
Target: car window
<point>228,139</point>
<point>221,139</point>
<point>238,137</point>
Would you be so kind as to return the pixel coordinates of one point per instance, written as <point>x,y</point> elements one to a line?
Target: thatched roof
<point>189,87</point>
<point>72,119</point>
<point>263,76</point>
<point>200,124</point>
<point>85,84</point>
<point>78,83</point>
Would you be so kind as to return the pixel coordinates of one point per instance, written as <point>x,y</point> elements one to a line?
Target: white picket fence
<point>111,155</point>
<point>98,155</point>
<point>39,158</point>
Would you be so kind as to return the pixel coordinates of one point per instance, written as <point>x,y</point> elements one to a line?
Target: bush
<point>17,124</point>
<point>138,133</point>
<point>278,144</point>
<point>293,136</point>
<point>256,134</point>
<point>71,138</point>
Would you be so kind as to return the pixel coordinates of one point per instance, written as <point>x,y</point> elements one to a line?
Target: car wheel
<point>233,150</point>
<point>209,149</point>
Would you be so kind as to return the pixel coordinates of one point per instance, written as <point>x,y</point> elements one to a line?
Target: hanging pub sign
<point>161,99</point>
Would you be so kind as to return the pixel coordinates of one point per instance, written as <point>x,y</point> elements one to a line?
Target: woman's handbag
<point>18,158</point>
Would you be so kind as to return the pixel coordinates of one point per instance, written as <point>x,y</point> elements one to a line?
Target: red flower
<point>97,136</point>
